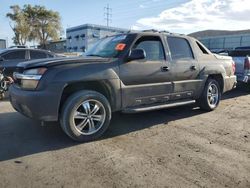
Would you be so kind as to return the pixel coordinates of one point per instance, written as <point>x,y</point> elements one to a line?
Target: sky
<point>180,16</point>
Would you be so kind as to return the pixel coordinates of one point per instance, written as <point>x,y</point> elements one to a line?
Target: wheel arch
<point>219,79</point>
<point>104,87</point>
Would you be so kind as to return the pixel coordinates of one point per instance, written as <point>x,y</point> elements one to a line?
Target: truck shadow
<point>126,123</point>
<point>20,136</point>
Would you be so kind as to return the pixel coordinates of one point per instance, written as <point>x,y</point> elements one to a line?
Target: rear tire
<point>211,95</point>
<point>85,116</point>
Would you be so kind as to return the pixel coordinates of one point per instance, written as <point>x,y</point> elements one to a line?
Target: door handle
<point>165,68</point>
<point>193,67</point>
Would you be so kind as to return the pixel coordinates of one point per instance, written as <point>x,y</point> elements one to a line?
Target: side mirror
<point>136,54</point>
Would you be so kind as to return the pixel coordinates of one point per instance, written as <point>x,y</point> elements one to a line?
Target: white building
<point>226,41</point>
<point>2,44</point>
<point>80,38</point>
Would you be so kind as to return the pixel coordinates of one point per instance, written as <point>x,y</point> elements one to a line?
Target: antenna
<point>108,14</point>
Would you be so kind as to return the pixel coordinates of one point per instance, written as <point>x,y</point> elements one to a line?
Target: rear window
<point>179,48</point>
<point>37,55</point>
<point>239,53</point>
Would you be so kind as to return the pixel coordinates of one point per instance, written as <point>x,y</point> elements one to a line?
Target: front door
<point>11,59</point>
<point>148,80</point>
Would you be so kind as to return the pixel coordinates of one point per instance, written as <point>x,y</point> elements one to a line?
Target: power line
<point>108,14</point>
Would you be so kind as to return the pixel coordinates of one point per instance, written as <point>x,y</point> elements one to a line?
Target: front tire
<point>85,116</point>
<point>211,96</point>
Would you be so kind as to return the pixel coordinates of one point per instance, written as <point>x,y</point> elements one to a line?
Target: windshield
<point>106,47</point>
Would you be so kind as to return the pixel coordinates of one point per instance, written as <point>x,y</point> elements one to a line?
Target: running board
<point>159,107</point>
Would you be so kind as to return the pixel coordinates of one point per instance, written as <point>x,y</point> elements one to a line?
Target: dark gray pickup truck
<point>133,72</point>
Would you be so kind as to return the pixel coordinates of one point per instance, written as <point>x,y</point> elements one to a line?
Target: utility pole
<point>108,14</point>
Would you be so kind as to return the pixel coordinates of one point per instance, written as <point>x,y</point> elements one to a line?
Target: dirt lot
<point>180,147</point>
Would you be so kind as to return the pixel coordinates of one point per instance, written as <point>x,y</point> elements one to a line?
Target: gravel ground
<point>179,147</point>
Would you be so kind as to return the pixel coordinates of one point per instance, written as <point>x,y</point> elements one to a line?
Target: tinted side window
<point>179,48</point>
<point>37,55</point>
<point>153,48</point>
<point>19,54</point>
<point>202,49</point>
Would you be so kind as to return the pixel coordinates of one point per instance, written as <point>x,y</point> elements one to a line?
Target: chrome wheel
<point>89,117</point>
<point>213,95</point>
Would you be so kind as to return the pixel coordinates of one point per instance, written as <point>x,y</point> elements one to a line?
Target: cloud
<point>142,6</point>
<point>200,15</point>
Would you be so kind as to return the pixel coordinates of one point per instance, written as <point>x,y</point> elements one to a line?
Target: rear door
<point>146,81</point>
<point>184,67</point>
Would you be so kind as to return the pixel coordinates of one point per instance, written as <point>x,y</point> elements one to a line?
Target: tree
<point>34,23</point>
<point>20,25</point>
<point>46,24</point>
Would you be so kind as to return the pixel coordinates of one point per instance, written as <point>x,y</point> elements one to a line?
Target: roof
<point>15,49</point>
<point>150,32</point>
<point>57,41</point>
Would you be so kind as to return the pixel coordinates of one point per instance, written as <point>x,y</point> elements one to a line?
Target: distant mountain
<point>211,33</point>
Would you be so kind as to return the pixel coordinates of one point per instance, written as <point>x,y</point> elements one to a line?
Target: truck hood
<point>49,62</point>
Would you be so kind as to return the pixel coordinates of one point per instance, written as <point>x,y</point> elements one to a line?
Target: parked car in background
<point>243,48</point>
<point>134,72</point>
<point>242,64</point>
<point>9,58</point>
<point>220,52</point>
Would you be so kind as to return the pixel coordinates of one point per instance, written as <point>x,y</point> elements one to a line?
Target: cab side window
<point>202,48</point>
<point>152,46</point>
<point>179,48</point>
<point>18,54</point>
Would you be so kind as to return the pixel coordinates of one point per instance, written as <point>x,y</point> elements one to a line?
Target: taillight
<point>247,64</point>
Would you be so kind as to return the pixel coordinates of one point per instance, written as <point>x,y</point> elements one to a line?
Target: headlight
<point>30,78</point>
<point>39,71</point>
